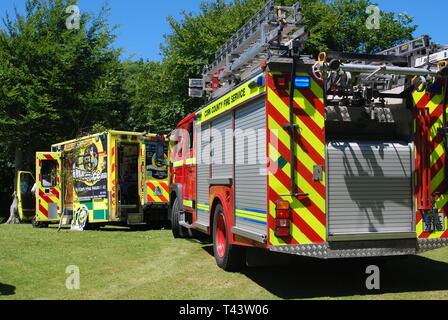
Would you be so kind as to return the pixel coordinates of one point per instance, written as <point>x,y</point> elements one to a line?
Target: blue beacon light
<point>302,82</point>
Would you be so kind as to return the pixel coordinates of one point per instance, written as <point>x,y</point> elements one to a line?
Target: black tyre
<point>38,225</point>
<point>228,257</point>
<point>35,224</point>
<point>91,226</point>
<point>177,230</point>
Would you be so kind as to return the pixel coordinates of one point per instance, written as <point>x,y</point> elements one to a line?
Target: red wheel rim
<point>221,236</point>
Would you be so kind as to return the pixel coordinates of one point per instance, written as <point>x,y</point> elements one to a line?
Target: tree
<point>55,81</point>
<point>145,89</point>
<point>340,25</point>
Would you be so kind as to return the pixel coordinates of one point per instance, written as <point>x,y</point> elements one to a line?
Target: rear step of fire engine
<point>262,238</point>
<point>186,225</point>
<point>201,226</point>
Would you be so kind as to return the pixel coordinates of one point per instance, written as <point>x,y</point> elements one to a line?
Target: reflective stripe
<point>188,203</point>
<point>178,164</point>
<point>252,214</point>
<point>191,161</point>
<point>204,207</point>
<point>252,220</point>
<point>188,162</point>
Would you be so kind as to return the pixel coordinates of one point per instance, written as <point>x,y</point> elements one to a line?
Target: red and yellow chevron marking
<point>162,187</point>
<point>47,156</point>
<point>309,217</point>
<point>45,200</point>
<point>433,104</point>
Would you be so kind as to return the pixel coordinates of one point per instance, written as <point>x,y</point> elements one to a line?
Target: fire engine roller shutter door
<point>370,188</point>
<point>203,172</point>
<point>250,168</point>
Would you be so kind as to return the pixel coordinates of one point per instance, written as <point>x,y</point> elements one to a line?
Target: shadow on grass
<point>307,278</point>
<point>152,227</point>
<point>7,290</point>
<point>115,229</point>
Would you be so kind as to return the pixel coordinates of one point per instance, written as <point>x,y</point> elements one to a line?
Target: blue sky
<point>144,21</point>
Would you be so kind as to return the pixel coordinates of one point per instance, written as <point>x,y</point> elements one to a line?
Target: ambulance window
<point>151,150</point>
<point>49,172</point>
<point>26,182</point>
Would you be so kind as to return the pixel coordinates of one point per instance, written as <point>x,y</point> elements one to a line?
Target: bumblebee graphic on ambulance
<point>89,182</point>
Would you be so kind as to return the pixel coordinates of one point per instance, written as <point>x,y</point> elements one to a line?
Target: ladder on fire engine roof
<point>408,59</point>
<point>416,46</point>
<point>420,51</point>
<point>240,57</point>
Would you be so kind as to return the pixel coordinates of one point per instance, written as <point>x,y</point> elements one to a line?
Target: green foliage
<point>340,25</point>
<point>55,81</point>
<point>146,91</point>
<point>192,45</point>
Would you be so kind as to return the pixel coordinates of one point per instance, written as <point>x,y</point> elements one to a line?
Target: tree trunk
<point>13,210</point>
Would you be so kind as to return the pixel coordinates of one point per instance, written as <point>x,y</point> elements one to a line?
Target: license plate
<point>434,222</point>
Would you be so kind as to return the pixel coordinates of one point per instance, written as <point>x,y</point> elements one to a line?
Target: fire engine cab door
<point>26,204</point>
<point>189,187</point>
<point>370,190</point>
<point>48,186</point>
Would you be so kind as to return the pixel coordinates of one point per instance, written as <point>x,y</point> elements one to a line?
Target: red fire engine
<point>340,157</point>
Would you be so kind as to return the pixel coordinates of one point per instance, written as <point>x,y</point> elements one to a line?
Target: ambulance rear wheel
<point>34,223</point>
<point>38,225</point>
<point>91,226</point>
<point>177,230</point>
<point>228,257</point>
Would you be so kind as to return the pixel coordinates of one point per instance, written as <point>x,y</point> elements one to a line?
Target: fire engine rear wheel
<point>228,257</point>
<point>177,230</point>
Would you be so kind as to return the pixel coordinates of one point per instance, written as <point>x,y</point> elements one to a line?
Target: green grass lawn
<point>119,264</point>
